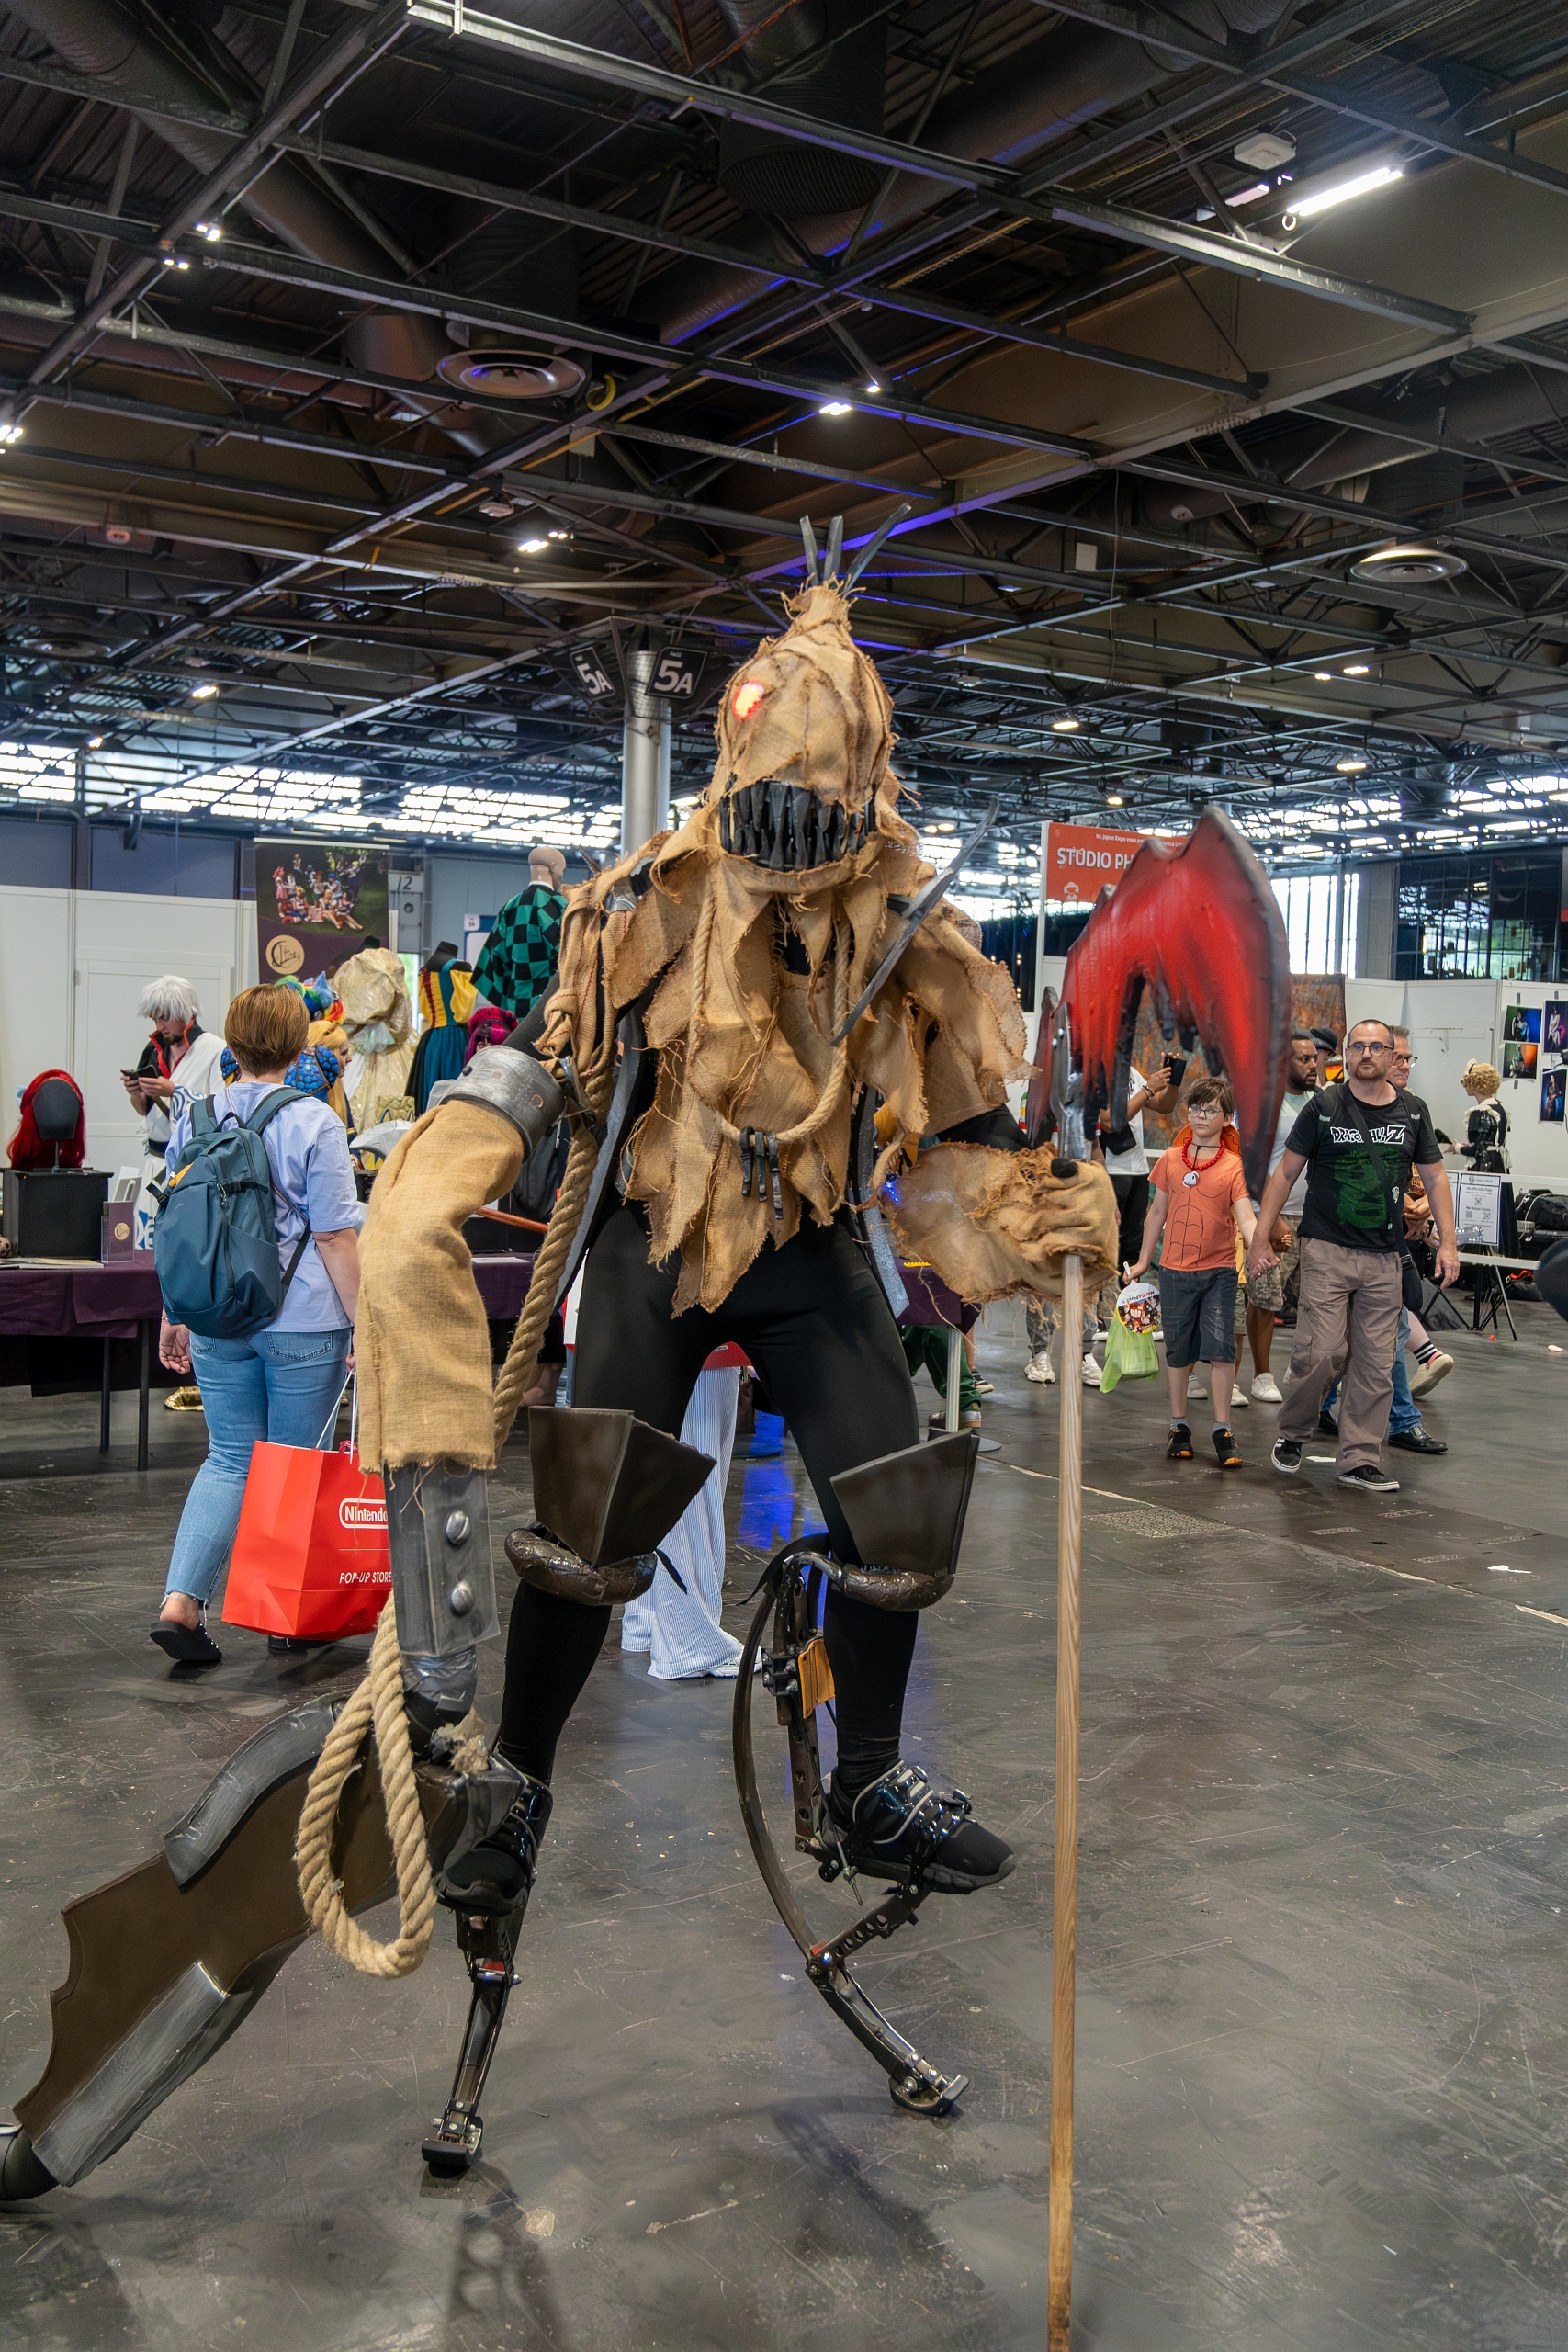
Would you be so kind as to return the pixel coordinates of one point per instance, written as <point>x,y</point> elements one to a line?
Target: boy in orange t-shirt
<point>1199,1199</point>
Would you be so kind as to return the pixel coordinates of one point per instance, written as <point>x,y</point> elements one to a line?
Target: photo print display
<point>1553,1087</point>
<point>1520,1059</point>
<point>1554,1026</point>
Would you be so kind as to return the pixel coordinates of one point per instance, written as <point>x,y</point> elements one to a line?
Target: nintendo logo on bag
<point>366,1513</point>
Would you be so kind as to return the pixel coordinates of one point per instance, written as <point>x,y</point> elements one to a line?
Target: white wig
<point>170,999</point>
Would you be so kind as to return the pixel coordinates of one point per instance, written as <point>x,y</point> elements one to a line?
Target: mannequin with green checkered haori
<point>520,954</point>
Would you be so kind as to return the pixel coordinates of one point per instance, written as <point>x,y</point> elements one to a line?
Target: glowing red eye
<point>747,696</point>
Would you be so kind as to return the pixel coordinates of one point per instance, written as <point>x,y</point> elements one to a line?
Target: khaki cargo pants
<point>1346,1328</point>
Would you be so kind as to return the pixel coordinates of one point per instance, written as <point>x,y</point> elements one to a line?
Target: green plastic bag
<point>1129,1355</point>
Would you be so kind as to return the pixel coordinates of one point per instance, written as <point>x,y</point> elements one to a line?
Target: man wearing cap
<point>519,958</point>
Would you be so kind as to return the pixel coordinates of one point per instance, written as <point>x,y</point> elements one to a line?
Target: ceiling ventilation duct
<point>102,39</point>
<point>497,262</point>
<point>762,172</point>
<point>1069,76</point>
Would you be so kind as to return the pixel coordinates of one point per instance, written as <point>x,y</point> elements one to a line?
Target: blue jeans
<point>1404,1414</point>
<point>277,1384</point>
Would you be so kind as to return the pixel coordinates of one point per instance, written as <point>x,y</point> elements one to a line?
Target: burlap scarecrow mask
<point>805,732</point>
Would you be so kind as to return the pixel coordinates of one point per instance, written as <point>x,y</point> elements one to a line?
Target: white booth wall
<point>73,964</point>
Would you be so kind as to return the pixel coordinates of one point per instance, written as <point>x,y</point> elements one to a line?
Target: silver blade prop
<point>915,913</point>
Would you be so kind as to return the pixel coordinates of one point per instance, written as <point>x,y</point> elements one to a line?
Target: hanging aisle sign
<point>316,902</point>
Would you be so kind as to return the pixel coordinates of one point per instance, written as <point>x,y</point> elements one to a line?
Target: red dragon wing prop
<point>1200,925</point>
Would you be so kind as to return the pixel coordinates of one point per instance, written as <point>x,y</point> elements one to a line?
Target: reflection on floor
<point>1322,2058</point>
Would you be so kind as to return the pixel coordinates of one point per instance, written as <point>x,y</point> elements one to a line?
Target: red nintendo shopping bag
<point>310,1556</point>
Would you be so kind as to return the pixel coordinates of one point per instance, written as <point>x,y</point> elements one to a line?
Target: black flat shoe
<point>1180,1446</point>
<point>1417,1440</point>
<point>286,1646</point>
<point>1328,1426</point>
<point>498,1875</point>
<point>899,1828</point>
<point>187,1645</point>
<point>1226,1449</point>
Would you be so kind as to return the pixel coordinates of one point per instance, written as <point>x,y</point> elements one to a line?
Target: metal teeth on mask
<point>778,803</point>
<point>802,824</point>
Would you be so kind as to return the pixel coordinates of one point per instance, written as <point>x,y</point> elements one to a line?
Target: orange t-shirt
<point>1200,1223</point>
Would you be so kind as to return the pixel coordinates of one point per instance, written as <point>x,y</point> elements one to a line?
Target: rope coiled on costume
<point>833,1093</point>
<point>523,1351</point>
<point>377,1704</point>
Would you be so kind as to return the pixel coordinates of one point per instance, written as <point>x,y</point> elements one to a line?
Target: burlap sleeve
<point>994,1224</point>
<point>421,1343</point>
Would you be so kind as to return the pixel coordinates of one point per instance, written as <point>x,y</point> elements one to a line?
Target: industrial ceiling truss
<point>363,367</point>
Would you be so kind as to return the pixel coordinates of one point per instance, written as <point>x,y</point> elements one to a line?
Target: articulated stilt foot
<point>488,1890</point>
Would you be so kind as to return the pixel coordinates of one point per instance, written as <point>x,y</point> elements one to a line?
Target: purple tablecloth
<point>503,1284</point>
<point>108,1301</point>
<point>77,1302</point>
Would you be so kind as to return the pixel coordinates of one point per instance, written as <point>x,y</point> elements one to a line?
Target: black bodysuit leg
<point>631,1355</point>
<point>818,1327</point>
<point>814,1321</point>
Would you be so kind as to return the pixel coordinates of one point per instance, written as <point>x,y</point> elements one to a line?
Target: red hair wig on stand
<point>28,1149</point>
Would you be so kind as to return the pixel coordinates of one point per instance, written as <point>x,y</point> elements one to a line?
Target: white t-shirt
<point>1136,1162</point>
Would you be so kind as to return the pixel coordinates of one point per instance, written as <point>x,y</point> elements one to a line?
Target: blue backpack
<point>215,1244</point>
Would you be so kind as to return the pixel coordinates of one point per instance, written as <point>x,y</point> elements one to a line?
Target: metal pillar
<point>645,757</point>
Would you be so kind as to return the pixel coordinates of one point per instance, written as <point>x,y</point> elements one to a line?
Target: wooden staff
<point>1070,1537</point>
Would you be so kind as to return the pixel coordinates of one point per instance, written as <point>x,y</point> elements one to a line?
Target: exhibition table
<point>78,1299</point>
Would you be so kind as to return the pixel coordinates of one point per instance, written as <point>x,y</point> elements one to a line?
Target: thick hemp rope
<point>565,1217</point>
<point>378,1704</point>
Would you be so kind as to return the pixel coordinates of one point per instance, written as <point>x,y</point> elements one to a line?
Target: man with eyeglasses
<point>1357,1141</point>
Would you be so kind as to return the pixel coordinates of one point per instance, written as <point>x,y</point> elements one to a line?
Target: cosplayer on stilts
<point>735,1003</point>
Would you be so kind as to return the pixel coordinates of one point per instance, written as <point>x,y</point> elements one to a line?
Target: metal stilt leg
<point>488,1941</point>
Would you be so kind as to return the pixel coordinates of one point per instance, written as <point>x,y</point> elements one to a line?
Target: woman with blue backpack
<point>256,1247</point>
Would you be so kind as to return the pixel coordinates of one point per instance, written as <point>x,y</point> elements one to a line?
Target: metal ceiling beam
<point>289,269</point>
<point>1272,69</point>
<point>1006,189</point>
<point>79,221</point>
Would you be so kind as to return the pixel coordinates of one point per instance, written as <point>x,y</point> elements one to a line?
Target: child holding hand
<point>1198,1200</point>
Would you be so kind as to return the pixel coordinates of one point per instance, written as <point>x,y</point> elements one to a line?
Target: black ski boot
<point>899,1827</point>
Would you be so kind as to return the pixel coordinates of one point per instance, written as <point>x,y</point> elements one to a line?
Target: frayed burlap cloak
<point>742,1041</point>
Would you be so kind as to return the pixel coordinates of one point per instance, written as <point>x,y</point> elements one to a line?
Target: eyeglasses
<point>1408,1059</point>
<point>1367,1045</point>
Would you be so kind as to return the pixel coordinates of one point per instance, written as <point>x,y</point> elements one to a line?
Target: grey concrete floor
<point>1322,2050</point>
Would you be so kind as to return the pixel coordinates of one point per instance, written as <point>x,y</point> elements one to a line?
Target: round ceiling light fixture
<point>512,374</point>
<point>1408,564</point>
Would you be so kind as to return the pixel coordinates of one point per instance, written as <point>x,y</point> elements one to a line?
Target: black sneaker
<point>1180,1446</point>
<point>187,1645</point>
<point>1286,1456</point>
<point>1370,1479</point>
<point>499,1874</point>
<point>1226,1449</point>
<point>1417,1440</point>
<point>899,1826</point>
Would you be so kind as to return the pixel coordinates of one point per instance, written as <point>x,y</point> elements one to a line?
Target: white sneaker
<point>1195,1387</point>
<point>1266,1390</point>
<point>1038,1368</point>
<point>1239,1396</point>
<point>1426,1375</point>
<point>1091,1372</point>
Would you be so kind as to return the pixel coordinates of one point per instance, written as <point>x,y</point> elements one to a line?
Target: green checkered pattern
<point>520,953</point>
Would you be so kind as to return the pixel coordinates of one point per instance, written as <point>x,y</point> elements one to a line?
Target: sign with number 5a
<point>677,674</point>
<point>590,672</point>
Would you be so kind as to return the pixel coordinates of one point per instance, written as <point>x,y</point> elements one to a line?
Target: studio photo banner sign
<point>316,902</point>
<point>1082,859</point>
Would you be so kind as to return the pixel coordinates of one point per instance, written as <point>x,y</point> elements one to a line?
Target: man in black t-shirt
<point>1357,1140</point>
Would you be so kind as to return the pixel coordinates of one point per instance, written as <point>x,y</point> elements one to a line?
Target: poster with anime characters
<point>318,902</point>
